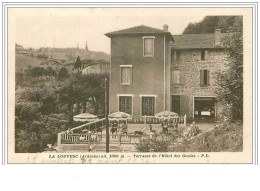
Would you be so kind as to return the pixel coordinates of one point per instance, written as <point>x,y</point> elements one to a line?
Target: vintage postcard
<point>130,85</point>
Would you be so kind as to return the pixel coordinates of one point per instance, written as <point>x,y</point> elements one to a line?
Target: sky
<point>68,27</point>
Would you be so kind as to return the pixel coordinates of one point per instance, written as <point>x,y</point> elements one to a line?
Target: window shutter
<point>183,79</point>
<point>131,75</point>
<point>208,77</point>
<point>121,76</point>
<point>201,77</point>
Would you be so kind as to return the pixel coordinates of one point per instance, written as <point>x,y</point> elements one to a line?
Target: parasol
<point>118,116</point>
<point>85,117</point>
<point>166,115</point>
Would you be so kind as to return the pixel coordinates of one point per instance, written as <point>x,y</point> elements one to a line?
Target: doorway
<point>176,104</point>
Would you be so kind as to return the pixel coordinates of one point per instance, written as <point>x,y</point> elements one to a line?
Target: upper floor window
<point>126,74</point>
<point>202,56</point>
<point>176,76</point>
<point>178,55</point>
<point>148,46</point>
<point>204,77</point>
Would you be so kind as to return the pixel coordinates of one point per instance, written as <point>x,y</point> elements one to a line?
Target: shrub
<point>152,145</point>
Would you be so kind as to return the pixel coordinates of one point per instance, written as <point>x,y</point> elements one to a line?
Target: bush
<point>152,145</point>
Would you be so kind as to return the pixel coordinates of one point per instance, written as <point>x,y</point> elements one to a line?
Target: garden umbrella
<point>85,117</point>
<point>166,115</point>
<point>118,116</point>
<point>84,131</point>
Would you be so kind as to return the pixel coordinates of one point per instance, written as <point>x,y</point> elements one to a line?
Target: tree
<point>77,64</point>
<point>230,82</point>
<point>37,71</point>
<point>63,73</point>
<point>36,120</point>
<point>209,23</point>
<point>80,89</point>
<point>49,71</point>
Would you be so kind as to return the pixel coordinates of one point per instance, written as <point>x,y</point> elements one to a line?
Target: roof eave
<point>192,48</point>
<point>125,34</point>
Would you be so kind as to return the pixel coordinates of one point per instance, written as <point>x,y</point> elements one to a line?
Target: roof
<point>142,29</point>
<point>194,41</point>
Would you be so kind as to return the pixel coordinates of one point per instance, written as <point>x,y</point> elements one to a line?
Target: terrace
<point>92,136</point>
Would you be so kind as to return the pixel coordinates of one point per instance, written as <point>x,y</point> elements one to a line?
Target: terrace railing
<point>153,120</point>
<point>94,125</point>
<point>95,138</point>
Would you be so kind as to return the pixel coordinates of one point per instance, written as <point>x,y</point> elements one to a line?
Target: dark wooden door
<point>176,104</point>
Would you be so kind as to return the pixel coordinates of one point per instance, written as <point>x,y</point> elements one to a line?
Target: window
<point>202,56</point>
<point>176,76</point>
<point>173,55</point>
<point>148,46</point>
<point>125,104</point>
<point>126,74</point>
<point>204,77</point>
<point>148,106</point>
<point>178,55</point>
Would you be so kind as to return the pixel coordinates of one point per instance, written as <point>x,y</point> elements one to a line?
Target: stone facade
<point>190,64</point>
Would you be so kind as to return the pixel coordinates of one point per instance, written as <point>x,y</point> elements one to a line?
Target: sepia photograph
<point>132,82</point>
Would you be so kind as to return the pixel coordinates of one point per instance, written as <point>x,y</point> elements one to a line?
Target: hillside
<point>70,54</point>
<point>23,61</point>
<point>99,56</point>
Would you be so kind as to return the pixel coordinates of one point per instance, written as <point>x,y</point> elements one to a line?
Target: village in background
<point>53,85</point>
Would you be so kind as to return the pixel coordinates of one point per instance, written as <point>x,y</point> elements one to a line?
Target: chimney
<point>165,28</point>
<point>217,37</point>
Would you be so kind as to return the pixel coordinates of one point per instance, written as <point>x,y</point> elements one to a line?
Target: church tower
<point>86,48</point>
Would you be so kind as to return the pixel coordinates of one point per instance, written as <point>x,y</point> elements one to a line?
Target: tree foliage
<point>37,71</point>
<point>80,89</point>
<point>49,71</point>
<point>209,23</point>
<point>63,73</point>
<point>231,81</point>
<point>77,65</point>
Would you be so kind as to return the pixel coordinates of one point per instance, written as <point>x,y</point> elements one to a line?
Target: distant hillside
<point>209,23</point>
<point>22,62</point>
<point>70,54</point>
<point>99,56</point>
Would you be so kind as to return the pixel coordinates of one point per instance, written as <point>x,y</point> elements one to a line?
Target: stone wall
<point>190,64</point>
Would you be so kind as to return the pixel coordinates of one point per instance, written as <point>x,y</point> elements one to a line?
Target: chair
<point>141,132</point>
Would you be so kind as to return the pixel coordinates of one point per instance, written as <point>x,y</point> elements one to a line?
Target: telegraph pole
<point>106,116</point>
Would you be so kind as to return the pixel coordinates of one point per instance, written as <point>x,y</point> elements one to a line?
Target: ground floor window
<point>125,104</point>
<point>204,107</point>
<point>148,106</point>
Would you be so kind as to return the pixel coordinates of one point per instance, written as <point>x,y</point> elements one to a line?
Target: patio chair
<point>141,132</point>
